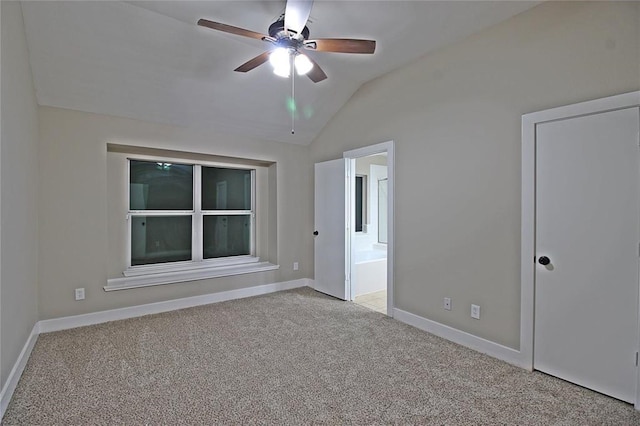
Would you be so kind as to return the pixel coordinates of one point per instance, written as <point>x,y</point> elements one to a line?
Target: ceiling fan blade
<point>296,14</point>
<point>341,45</point>
<point>253,63</point>
<point>316,74</point>
<point>230,29</point>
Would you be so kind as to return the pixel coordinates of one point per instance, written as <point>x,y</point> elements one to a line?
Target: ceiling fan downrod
<point>293,95</point>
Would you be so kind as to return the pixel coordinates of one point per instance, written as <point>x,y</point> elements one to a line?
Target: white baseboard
<point>463,338</point>
<point>74,321</point>
<point>16,371</point>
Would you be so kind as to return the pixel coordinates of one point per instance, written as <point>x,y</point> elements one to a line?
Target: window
<point>178,217</point>
<point>189,214</point>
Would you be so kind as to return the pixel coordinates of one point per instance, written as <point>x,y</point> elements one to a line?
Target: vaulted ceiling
<point>148,60</point>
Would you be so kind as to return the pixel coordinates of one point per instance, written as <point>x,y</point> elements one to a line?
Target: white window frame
<point>197,261</point>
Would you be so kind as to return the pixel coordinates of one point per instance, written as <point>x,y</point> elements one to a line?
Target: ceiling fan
<point>289,35</point>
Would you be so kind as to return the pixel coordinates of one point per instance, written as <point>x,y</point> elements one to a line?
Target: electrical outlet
<point>446,304</point>
<point>295,266</point>
<point>79,293</point>
<point>475,311</point>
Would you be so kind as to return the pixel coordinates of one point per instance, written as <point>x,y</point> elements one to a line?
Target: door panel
<point>330,223</point>
<point>587,224</point>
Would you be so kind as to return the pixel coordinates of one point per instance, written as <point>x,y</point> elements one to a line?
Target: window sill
<point>187,275</point>
<point>147,270</point>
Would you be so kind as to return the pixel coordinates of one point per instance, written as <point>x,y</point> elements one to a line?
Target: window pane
<point>226,189</point>
<point>160,186</point>
<point>226,236</point>
<point>160,239</point>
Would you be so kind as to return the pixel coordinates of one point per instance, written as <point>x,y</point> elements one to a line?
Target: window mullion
<point>227,212</point>
<point>197,237</point>
<point>159,212</point>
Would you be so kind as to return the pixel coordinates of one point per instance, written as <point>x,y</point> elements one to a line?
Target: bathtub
<point>370,255</point>
<point>369,271</point>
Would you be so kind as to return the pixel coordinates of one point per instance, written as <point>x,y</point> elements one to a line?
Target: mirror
<point>382,211</point>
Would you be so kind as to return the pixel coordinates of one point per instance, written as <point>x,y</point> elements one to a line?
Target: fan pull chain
<point>293,96</point>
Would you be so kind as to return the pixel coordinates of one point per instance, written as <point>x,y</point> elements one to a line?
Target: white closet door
<point>588,226</point>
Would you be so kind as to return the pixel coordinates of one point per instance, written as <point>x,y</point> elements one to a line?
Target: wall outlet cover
<point>446,303</point>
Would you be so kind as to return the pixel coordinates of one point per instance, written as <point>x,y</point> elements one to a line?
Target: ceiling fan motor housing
<point>276,30</point>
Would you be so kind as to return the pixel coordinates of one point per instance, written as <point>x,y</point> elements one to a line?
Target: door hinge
<point>636,359</point>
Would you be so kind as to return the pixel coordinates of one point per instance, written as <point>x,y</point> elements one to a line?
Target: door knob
<point>315,232</point>
<point>544,260</point>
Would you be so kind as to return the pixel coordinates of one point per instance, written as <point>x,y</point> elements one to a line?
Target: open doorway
<point>370,235</point>
<point>369,239</point>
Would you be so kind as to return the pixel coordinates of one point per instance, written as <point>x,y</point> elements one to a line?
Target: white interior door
<point>330,226</point>
<point>587,225</point>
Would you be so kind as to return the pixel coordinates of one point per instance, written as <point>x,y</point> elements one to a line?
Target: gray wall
<point>455,117</point>
<point>74,231</point>
<point>19,192</point>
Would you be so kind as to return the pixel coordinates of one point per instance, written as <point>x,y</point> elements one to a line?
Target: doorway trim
<point>389,149</point>
<point>528,206</point>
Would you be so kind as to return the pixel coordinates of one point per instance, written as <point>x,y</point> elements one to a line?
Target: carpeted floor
<point>294,357</point>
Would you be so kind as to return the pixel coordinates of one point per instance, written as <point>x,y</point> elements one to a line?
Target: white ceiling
<point>150,61</point>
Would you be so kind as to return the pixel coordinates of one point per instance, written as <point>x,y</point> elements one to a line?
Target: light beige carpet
<point>294,357</point>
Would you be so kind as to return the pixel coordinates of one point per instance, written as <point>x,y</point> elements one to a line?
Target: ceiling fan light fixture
<point>303,64</point>
<point>282,71</point>
<point>279,58</point>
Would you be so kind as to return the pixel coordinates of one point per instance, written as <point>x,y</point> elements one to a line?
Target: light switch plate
<point>475,311</point>
<point>79,293</point>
